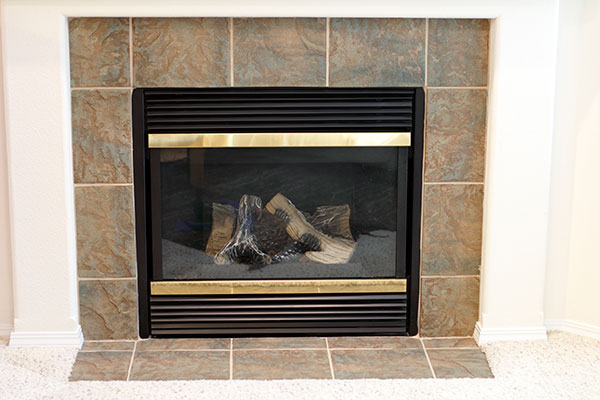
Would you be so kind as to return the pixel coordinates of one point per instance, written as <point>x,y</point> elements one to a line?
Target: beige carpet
<point>564,367</point>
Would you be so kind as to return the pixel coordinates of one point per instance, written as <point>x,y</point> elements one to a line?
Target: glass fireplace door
<point>278,213</point>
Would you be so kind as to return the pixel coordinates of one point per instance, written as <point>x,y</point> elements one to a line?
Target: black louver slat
<point>237,110</point>
<point>348,313</point>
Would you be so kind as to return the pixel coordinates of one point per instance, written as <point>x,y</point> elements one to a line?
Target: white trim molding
<point>578,328</point>
<point>5,330</point>
<point>47,339</point>
<point>487,335</point>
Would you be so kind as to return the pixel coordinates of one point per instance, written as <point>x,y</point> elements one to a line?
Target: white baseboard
<point>487,335</point>
<point>47,339</point>
<point>5,330</point>
<point>578,328</point>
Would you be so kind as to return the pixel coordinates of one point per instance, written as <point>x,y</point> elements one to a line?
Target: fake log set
<point>279,232</point>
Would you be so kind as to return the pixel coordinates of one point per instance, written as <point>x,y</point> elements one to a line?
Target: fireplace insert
<point>278,211</point>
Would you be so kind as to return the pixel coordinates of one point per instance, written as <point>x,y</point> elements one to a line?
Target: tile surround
<point>102,144</point>
<point>101,366</point>
<point>377,52</point>
<point>105,231</point>
<point>99,51</point>
<point>181,52</point>
<point>452,227</point>
<point>281,364</point>
<point>108,309</point>
<point>458,52</point>
<point>180,365</point>
<point>263,47</point>
<point>455,135</point>
<point>449,306</point>
<point>197,52</point>
<point>380,364</point>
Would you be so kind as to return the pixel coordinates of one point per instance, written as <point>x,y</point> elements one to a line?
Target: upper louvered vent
<point>238,110</point>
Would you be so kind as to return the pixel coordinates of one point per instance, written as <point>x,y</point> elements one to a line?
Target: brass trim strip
<point>274,139</point>
<point>278,286</point>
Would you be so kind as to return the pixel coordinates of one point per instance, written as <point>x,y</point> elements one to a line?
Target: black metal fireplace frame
<point>146,248</point>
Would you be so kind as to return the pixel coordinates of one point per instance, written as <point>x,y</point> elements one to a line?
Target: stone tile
<point>102,140</point>
<point>380,364</point>
<point>108,309</point>
<point>281,364</point>
<point>456,126</point>
<point>105,231</point>
<point>279,343</point>
<point>181,52</point>
<point>452,226</point>
<point>449,306</point>
<point>456,342</point>
<point>377,52</point>
<point>374,342</point>
<point>180,365</point>
<point>183,344</point>
<point>461,363</point>
<point>458,52</point>
<point>101,366</point>
<point>108,346</point>
<point>99,51</point>
<point>279,51</point>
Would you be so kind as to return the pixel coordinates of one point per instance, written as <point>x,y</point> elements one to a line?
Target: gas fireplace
<point>278,211</point>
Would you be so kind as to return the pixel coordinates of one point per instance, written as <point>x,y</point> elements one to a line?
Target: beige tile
<point>456,126</point>
<point>183,344</point>
<point>449,306</point>
<point>108,309</point>
<point>99,51</point>
<point>377,52</point>
<point>279,51</point>
<point>281,364</point>
<point>180,365</point>
<point>458,52</point>
<point>108,346</point>
<point>101,366</point>
<point>105,232</point>
<point>452,228</point>
<point>380,364</point>
<point>181,52</point>
<point>374,342</point>
<point>462,363</point>
<point>457,342</point>
<point>101,122</point>
<point>279,343</point>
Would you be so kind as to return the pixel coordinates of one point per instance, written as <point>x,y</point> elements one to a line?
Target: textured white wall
<point>519,134</point>
<point>6,298</point>
<point>573,278</point>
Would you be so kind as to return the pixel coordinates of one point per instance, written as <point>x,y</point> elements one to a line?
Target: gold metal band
<point>278,286</point>
<point>273,139</point>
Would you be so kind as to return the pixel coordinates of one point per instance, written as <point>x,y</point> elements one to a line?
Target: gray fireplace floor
<point>281,358</point>
<point>374,257</point>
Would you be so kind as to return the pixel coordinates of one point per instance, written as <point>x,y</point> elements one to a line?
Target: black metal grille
<point>318,314</point>
<point>240,110</point>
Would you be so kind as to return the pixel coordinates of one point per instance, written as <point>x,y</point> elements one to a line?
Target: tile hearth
<point>281,358</point>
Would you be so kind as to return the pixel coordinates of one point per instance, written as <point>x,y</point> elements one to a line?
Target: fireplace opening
<point>278,211</point>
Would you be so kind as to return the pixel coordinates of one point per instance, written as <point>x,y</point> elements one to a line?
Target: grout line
<point>131,51</point>
<point>103,88</point>
<point>453,183</point>
<point>101,184</point>
<point>330,359</point>
<point>131,361</point>
<point>231,359</point>
<point>426,49</point>
<point>108,279</point>
<point>428,360</point>
<point>110,340</point>
<point>458,87</point>
<point>453,348</point>
<point>448,276</point>
<point>231,51</point>
<point>327,30</point>
<point>182,350</point>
